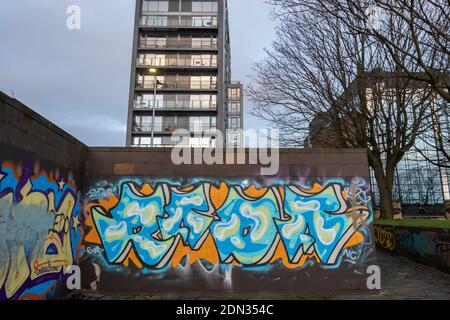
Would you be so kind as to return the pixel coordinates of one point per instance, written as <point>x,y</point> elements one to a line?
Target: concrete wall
<point>154,226</point>
<point>40,203</point>
<point>429,246</point>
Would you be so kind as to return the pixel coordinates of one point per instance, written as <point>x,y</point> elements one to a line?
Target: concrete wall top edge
<point>281,150</point>
<point>14,103</point>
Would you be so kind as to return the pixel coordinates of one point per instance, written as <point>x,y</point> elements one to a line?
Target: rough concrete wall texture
<point>40,203</point>
<point>155,227</point>
<point>429,246</point>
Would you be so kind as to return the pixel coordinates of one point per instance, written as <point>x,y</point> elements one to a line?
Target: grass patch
<point>421,223</point>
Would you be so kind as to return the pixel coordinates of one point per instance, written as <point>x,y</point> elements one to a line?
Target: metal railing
<point>190,145</point>
<point>177,62</point>
<point>194,85</point>
<point>176,105</point>
<point>168,128</point>
<point>154,146</point>
<point>197,23</point>
<point>152,44</point>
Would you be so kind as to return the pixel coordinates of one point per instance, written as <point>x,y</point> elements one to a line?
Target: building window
<point>148,81</point>
<point>204,21</point>
<point>234,93</point>
<point>154,21</point>
<point>203,101</point>
<point>204,43</point>
<point>234,107</point>
<point>234,123</point>
<point>203,82</point>
<point>200,142</point>
<point>204,6</point>
<point>142,123</point>
<point>204,60</point>
<point>153,42</point>
<point>155,6</point>
<point>234,138</point>
<point>146,101</point>
<point>201,124</point>
<point>142,141</point>
<point>150,59</point>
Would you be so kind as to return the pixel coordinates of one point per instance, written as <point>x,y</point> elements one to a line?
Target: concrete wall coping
<point>281,150</point>
<point>393,227</point>
<point>12,102</point>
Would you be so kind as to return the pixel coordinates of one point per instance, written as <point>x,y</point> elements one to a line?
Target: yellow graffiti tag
<point>384,238</point>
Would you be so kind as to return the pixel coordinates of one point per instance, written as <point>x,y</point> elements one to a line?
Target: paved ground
<point>400,279</point>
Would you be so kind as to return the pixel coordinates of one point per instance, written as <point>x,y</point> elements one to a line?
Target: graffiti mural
<point>162,225</point>
<point>40,232</point>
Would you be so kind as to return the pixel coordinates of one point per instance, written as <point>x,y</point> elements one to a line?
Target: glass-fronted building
<point>421,178</point>
<point>421,186</point>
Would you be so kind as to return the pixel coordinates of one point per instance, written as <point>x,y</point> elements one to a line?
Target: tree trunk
<point>386,203</point>
<point>385,183</point>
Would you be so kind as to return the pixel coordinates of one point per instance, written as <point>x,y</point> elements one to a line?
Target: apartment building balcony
<point>211,144</point>
<point>177,46</point>
<point>180,22</point>
<point>177,63</point>
<point>165,43</point>
<point>162,146</point>
<point>170,128</point>
<point>177,86</point>
<point>175,106</point>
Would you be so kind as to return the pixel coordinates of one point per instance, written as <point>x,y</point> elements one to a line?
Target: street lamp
<point>153,71</point>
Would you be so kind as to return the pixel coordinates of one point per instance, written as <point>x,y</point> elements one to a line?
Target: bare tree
<point>425,23</point>
<point>321,71</point>
<point>426,26</point>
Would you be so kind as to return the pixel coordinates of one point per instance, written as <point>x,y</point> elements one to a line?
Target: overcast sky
<point>79,79</point>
